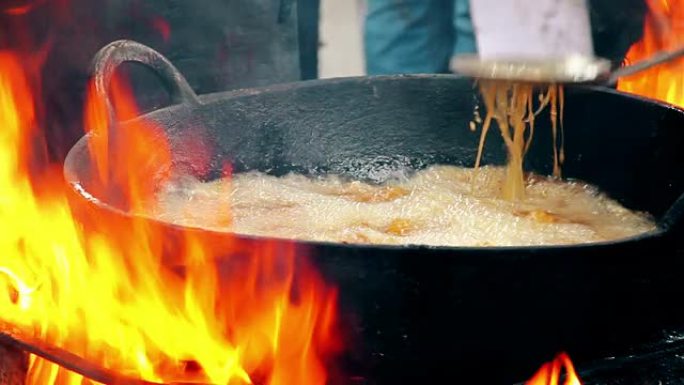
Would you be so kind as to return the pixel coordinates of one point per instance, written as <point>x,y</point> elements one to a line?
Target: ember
<point>663,30</point>
<point>109,298</point>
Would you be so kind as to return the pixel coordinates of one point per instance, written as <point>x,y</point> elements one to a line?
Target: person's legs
<point>308,18</point>
<point>408,36</point>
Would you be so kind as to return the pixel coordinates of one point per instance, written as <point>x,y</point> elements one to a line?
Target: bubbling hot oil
<point>511,105</point>
<point>435,206</point>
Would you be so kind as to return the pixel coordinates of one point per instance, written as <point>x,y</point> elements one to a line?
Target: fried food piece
<point>371,194</point>
<point>400,227</point>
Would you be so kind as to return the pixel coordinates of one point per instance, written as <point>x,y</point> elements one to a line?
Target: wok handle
<point>114,54</point>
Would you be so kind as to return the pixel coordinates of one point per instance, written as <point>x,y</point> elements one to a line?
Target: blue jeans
<point>416,36</point>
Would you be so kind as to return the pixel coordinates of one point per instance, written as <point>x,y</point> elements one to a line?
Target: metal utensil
<point>573,69</point>
<point>71,361</point>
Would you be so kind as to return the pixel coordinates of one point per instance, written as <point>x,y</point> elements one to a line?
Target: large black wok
<point>416,313</point>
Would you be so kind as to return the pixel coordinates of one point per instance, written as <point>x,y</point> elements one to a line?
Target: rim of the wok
<point>72,179</point>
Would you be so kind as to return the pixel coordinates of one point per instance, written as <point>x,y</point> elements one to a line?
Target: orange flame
<point>550,372</point>
<point>139,152</point>
<point>663,30</point>
<point>232,315</point>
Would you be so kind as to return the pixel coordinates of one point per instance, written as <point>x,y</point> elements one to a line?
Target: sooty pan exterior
<point>423,314</point>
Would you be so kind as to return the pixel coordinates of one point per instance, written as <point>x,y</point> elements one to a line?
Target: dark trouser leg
<point>308,14</point>
<point>408,36</point>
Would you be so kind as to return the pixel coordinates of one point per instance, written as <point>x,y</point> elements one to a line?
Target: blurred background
<point>341,44</point>
<point>222,45</point>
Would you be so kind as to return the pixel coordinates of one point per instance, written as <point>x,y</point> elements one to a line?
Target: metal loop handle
<point>114,54</point>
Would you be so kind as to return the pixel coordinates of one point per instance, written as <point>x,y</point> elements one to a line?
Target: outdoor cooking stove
<point>650,363</point>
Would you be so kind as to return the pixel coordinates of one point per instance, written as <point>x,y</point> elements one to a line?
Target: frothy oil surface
<point>440,206</point>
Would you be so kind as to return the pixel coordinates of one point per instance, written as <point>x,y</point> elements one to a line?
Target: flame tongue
<point>550,372</point>
<point>663,30</point>
<point>107,296</point>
